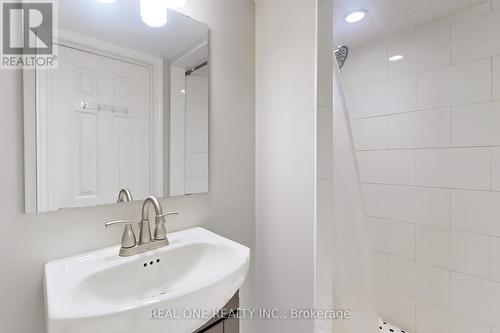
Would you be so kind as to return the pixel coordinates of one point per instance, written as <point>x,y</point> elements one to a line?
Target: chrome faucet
<point>129,245</point>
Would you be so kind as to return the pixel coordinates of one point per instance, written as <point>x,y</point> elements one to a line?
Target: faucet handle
<point>128,238</point>
<point>168,213</point>
<point>160,233</point>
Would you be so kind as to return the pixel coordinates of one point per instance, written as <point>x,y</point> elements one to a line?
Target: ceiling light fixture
<point>154,12</point>
<point>396,57</point>
<point>356,16</point>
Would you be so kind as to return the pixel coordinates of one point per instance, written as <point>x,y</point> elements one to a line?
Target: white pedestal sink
<point>164,290</point>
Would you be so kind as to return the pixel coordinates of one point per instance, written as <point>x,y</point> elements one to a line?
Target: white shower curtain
<point>352,270</point>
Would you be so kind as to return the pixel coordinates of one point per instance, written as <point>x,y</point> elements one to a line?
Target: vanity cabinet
<point>224,324</point>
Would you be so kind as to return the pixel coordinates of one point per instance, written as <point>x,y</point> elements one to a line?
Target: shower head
<point>341,54</point>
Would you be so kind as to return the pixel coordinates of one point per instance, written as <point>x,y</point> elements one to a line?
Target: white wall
<point>427,134</point>
<point>27,242</point>
<point>285,158</point>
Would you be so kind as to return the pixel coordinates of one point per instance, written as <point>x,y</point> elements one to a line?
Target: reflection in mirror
<point>127,107</point>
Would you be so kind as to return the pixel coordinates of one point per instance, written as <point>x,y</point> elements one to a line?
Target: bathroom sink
<point>172,289</point>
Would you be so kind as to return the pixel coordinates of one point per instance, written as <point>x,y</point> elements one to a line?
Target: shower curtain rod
<point>194,69</point>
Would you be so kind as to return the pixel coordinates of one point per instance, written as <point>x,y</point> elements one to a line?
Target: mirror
<point>126,107</point>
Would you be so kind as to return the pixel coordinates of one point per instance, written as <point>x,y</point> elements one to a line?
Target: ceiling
<point>120,23</point>
<point>389,16</point>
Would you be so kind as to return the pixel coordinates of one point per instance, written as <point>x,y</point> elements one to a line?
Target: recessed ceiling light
<point>356,16</point>
<point>396,57</point>
<point>154,12</point>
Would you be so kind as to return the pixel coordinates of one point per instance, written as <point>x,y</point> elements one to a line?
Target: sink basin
<point>172,289</point>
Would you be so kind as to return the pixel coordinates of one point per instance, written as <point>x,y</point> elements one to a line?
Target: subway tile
<point>355,103</point>
<point>424,129</point>
<point>495,258</point>
<point>460,84</point>
<point>496,77</point>
<point>391,96</point>
<point>325,214</point>
<point>420,12</point>
<point>379,265</point>
<point>359,162</point>
<point>397,309</point>
<point>392,237</point>
<point>382,98</point>
<point>401,275</point>
<point>432,284</point>
<point>476,211</point>
<point>470,253</point>
<point>389,167</point>
<point>365,65</point>
<point>424,282</point>
<point>476,125</point>
<point>434,319</point>
<point>424,49</point>
<point>467,168</point>
<point>495,168</point>
<point>369,133</point>
<point>476,298</point>
<point>375,199</point>
<point>476,37</point>
<point>461,251</point>
<point>420,205</point>
<point>468,13</point>
<point>325,143</point>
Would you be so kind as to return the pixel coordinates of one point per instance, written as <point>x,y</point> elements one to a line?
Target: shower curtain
<point>352,269</point>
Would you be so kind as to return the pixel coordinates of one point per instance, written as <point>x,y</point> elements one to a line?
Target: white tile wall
<point>496,77</point>
<point>398,309</point>
<point>425,49</point>
<point>401,275</point>
<point>455,85</point>
<point>432,284</point>
<point>495,258</point>
<point>364,66</point>
<point>420,205</point>
<point>495,169</point>
<point>476,298</point>
<point>468,168</point>
<point>461,251</point>
<point>389,167</point>
<point>465,44</point>
<point>391,96</point>
<point>427,133</point>
<point>422,129</point>
<point>369,133</point>
<point>476,211</point>
<point>392,237</point>
<point>434,319</point>
<point>470,12</point>
<point>476,125</point>
<point>375,200</point>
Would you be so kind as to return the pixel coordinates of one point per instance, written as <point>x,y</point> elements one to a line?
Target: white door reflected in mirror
<point>127,107</point>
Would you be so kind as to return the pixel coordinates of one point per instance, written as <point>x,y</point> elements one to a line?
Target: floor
<point>385,327</point>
